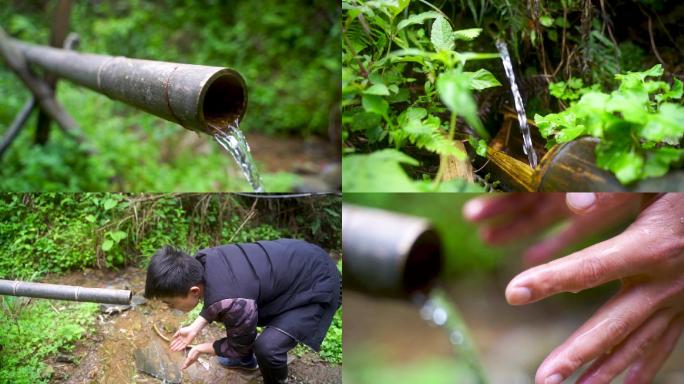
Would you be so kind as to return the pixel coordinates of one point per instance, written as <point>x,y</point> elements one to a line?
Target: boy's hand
<point>195,352</point>
<point>182,338</point>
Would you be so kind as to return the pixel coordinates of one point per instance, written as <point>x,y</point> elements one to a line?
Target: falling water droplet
<point>519,106</point>
<point>456,338</point>
<point>235,143</point>
<point>439,316</point>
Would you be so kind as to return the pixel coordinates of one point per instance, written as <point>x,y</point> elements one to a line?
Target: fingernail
<point>554,379</point>
<point>519,295</point>
<point>472,209</point>
<point>581,201</point>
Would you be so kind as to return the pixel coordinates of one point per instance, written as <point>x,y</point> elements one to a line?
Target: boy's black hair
<point>172,273</point>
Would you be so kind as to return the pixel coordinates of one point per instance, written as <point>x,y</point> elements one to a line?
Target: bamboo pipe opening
<point>224,99</point>
<point>423,262</point>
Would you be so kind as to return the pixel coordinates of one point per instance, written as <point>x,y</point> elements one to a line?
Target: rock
<point>62,358</point>
<point>138,300</point>
<point>155,361</point>
<point>112,309</point>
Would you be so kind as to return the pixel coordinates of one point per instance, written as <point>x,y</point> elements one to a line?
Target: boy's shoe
<point>247,363</point>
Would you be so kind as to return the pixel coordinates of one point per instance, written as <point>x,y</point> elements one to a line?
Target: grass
<point>34,330</point>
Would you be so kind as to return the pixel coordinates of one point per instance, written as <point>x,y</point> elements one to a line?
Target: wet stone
<point>113,309</point>
<point>138,300</point>
<point>154,361</point>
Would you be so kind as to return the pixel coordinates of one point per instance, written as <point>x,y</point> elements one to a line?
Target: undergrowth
<point>35,329</point>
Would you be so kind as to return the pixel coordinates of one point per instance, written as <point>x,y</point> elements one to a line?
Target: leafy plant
<point>640,124</point>
<point>399,80</point>
<point>33,331</point>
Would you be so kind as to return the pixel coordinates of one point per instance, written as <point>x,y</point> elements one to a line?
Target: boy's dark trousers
<point>270,349</point>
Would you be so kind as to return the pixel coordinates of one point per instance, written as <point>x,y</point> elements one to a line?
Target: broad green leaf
<point>546,21</point>
<point>465,56</point>
<point>658,162</point>
<point>379,171</point>
<point>375,104</point>
<point>674,93</point>
<point>481,79</point>
<point>90,218</point>
<point>377,89</point>
<point>418,19</point>
<point>107,245</point>
<point>467,34</point>
<point>397,6</point>
<point>109,204</point>
<point>441,36</point>
<point>364,121</point>
<point>117,236</point>
<point>627,166</point>
<point>667,125</point>
<point>454,91</point>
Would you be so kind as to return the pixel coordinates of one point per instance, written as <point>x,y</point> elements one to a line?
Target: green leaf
<point>481,79</point>
<point>467,34</point>
<point>377,89</point>
<point>379,171</point>
<point>454,90</point>
<point>397,6</point>
<point>90,218</point>
<point>418,19</point>
<point>627,166</point>
<point>425,133</point>
<point>117,236</point>
<point>107,245</point>
<point>667,125</point>
<point>441,36</point>
<point>375,104</point>
<point>658,162</point>
<point>546,21</point>
<point>109,204</point>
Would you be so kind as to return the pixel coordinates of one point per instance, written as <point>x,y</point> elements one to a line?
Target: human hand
<point>182,338</point>
<point>640,325</point>
<point>508,217</point>
<point>195,352</point>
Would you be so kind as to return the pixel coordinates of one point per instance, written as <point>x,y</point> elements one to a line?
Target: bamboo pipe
<point>65,292</point>
<point>198,97</point>
<point>389,254</point>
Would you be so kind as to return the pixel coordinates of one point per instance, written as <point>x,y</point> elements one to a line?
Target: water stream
<point>519,106</point>
<point>437,310</point>
<point>233,141</point>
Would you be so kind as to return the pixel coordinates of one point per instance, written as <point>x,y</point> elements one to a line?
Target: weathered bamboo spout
<point>65,292</point>
<point>389,254</point>
<point>198,97</point>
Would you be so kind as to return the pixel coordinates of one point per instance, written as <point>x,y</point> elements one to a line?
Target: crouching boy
<point>290,287</point>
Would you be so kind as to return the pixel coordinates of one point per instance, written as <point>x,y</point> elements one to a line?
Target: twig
<point>252,212</point>
<point>650,34</point>
<point>16,125</point>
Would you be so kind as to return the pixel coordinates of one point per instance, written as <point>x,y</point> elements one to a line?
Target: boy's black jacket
<point>294,284</point>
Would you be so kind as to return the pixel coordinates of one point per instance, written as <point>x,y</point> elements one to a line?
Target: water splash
<point>233,141</point>
<point>435,308</point>
<point>519,106</point>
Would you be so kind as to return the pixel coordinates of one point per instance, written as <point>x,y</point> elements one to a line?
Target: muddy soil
<point>108,355</point>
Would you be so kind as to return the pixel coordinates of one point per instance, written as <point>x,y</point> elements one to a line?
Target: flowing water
<point>233,141</point>
<point>436,309</point>
<point>519,106</point>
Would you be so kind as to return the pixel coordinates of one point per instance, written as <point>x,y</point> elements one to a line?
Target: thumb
<point>584,203</point>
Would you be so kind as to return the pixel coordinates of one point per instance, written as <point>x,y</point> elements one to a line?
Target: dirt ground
<point>108,355</point>
<point>511,341</point>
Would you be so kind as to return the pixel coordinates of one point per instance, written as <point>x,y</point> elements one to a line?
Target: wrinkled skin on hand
<point>638,327</point>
